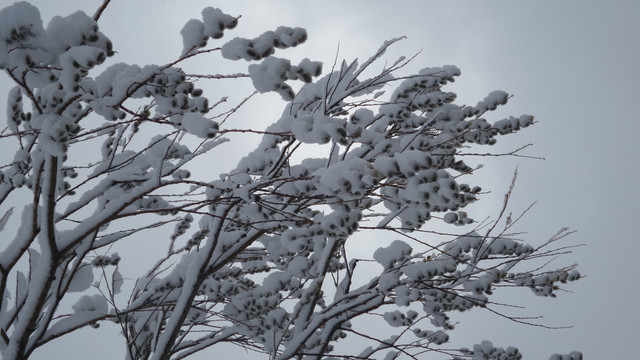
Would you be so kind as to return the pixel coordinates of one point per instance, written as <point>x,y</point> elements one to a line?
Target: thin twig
<point>101,9</point>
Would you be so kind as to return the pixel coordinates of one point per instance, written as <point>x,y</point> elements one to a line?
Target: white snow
<point>200,126</point>
<point>395,252</point>
<point>82,279</point>
<point>193,36</point>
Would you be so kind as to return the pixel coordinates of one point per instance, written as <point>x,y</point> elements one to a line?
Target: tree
<point>259,257</point>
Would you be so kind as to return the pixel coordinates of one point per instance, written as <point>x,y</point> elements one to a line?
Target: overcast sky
<point>572,64</point>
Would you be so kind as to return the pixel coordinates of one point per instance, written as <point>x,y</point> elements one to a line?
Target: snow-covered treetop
<point>258,257</point>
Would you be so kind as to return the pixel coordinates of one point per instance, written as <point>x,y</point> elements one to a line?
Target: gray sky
<point>572,64</point>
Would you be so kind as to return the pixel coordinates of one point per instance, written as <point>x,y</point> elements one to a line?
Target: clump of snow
<point>82,279</point>
<point>193,36</point>
<point>574,355</point>
<point>436,337</point>
<point>106,260</point>
<point>270,76</point>
<point>264,45</point>
<point>397,318</point>
<point>56,131</point>
<point>23,41</point>
<point>215,22</point>
<point>91,303</point>
<point>397,251</point>
<point>15,113</point>
<point>76,61</point>
<point>195,33</point>
<point>486,350</point>
<point>491,101</point>
<point>200,126</point>
<point>76,29</point>
<point>272,72</point>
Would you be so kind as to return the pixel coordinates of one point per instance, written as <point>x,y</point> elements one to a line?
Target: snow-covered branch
<point>255,255</point>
